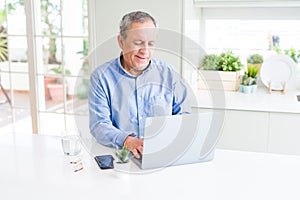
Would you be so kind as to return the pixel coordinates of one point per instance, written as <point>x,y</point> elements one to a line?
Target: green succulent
<point>123,154</point>
<point>252,71</point>
<point>230,62</point>
<point>250,76</point>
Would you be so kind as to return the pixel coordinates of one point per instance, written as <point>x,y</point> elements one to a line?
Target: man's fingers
<point>135,153</point>
<point>135,145</point>
<point>140,149</point>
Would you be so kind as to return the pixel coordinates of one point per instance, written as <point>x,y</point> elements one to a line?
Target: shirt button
<point>140,98</point>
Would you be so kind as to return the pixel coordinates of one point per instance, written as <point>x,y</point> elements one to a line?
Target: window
<point>61,35</point>
<point>245,37</point>
<point>247,30</point>
<point>252,34</point>
<point>55,51</point>
<point>15,106</point>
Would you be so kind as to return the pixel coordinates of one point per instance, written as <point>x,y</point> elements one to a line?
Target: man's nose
<point>145,48</point>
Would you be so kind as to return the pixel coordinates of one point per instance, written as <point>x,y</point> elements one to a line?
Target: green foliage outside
<point>3,49</point>
<point>3,39</point>
<point>50,13</point>
<point>3,30</point>
<point>59,70</point>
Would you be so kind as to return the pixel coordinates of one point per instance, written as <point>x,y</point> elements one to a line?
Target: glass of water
<point>71,142</point>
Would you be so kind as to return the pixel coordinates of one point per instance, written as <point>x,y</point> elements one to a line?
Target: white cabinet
<point>272,132</point>
<point>284,133</point>
<point>245,130</point>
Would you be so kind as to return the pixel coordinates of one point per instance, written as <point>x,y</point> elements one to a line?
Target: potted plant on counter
<point>220,72</point>
<point>249,80</point>
<point>255,60</point>
<point>211,62</point>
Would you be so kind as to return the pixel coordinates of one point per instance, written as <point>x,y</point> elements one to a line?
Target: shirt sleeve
<point>100,122</point>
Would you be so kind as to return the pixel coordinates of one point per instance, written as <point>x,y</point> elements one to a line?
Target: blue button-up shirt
<point>120,102</point>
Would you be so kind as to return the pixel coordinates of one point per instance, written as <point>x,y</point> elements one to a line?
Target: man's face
<point>137,47</point>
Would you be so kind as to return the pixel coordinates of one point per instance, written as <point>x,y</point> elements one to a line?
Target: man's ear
<point>120,41</point>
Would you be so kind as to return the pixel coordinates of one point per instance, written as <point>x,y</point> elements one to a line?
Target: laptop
<point>180,139</point>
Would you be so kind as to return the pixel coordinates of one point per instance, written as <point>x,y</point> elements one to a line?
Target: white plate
<point>277,70</point>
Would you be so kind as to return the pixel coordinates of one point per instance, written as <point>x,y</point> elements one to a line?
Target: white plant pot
<point>248,89</point>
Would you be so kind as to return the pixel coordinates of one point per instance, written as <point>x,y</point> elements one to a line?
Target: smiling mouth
<point>141,58</point>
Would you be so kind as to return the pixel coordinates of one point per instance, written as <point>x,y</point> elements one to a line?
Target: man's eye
<point>151,44</point>
<point>138,42</point>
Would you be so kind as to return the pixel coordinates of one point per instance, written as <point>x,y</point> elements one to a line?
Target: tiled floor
<point>9,116</point>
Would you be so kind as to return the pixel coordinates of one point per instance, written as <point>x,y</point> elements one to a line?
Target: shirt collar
<point>122,70</point>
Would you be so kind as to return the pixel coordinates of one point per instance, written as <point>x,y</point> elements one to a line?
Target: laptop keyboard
<point>139,160</point>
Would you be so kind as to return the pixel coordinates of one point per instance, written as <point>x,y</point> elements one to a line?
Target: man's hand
<point>135,145</point>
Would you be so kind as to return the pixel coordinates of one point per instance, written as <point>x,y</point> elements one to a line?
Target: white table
<point>34,167</point>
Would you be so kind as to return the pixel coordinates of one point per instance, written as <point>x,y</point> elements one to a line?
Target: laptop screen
<point>180,139</point>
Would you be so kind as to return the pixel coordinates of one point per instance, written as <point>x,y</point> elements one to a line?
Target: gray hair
<point>128,19</point>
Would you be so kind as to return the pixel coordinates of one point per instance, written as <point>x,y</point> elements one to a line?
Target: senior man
<point>128,89</point>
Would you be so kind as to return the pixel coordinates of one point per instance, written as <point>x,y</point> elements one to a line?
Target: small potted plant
<point>56,86</point>
<point>122,154</point>
<point>255,60</point>
<point>249,80</point>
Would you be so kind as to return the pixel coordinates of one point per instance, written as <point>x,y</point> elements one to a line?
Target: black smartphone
<point>105,161</point>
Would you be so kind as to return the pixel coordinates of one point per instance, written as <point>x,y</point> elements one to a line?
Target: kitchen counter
<point>34,167</point>
<point>260,122</point>
<point>262,100</point>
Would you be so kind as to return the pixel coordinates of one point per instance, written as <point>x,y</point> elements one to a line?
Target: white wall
<point>105,27</point>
